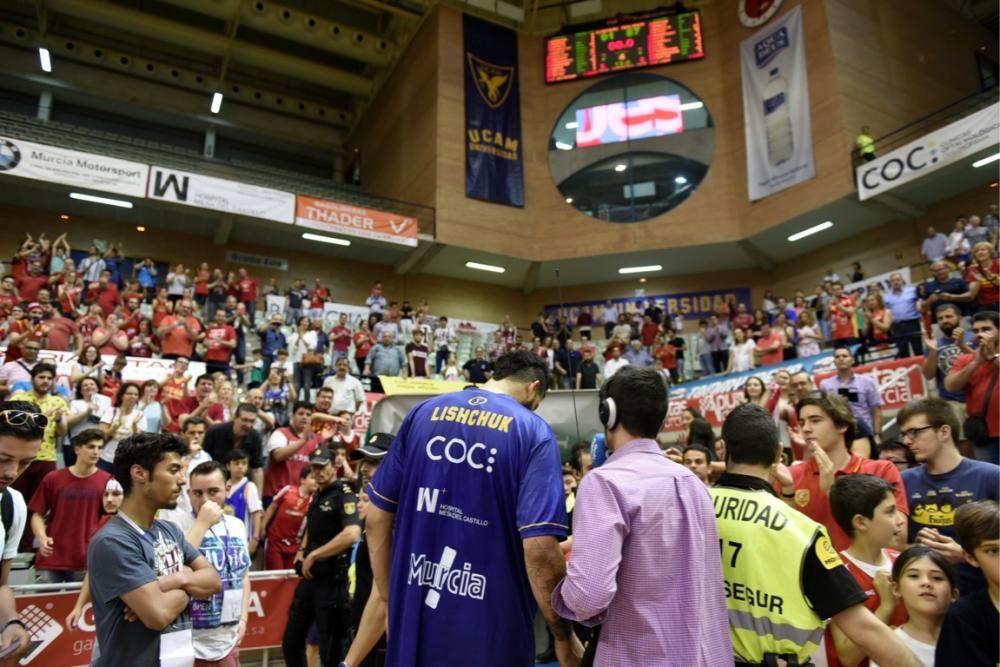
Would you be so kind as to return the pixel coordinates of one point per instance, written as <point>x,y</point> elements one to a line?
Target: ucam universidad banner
<point>62,165</point>
<point>689,305</point>
<point>930,152</point>
<point>219,194</point>
<point>493,160</point>
<point>776,108</point>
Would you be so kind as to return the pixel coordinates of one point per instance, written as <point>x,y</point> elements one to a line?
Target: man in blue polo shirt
<point>475,481</point>
<point>901,300</point>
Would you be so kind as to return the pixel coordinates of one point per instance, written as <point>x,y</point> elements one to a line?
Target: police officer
<point>332,528</point>
<point>782,574</point>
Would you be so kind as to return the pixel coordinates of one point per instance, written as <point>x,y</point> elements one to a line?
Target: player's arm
<point>201,582</point>
<point>370,629</point>
<point>546,567</point>
<point>73,619</point>
<point>8,612</point>
<point>378,533</point>
<point>874,637</point>
<point>153,607</point>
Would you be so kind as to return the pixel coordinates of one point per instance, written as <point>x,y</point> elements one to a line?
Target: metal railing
<point>932,121</point>
<point>148,151</point>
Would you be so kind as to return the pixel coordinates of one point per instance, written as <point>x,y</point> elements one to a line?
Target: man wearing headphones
<point>645,549</point>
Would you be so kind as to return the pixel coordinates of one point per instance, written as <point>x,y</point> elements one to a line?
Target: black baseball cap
<point>321,456</point>
<point>376,447</point>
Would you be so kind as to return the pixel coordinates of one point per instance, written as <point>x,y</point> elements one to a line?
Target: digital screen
<point>622,121</point>
<point>657,41</point>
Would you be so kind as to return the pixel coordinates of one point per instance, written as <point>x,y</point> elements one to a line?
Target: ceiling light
<point>45,60</point>
<point>621,167</point>
<point>140,228</point>
<point>640,269</point>
<point>485,267</point>
<point>569,200</point>
<point>994,184</point>
<point>216,102</point>
<point>642,280</point>
<point>691,106</point>
<point>815,229</point>
<point>680,180</point>
<point>564,146</point>
<point>986,160</point>
<point>120,203</point>
<point>572,125</point>
<point>325,239</point>
<point>63,216</point>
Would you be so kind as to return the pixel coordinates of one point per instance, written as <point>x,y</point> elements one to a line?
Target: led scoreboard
<point>656,41</point>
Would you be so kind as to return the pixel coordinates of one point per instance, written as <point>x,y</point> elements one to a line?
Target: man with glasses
<point>18,371</point>
<point>827,425</point>
<point>802,384</point>
<point>55,408</point>
<point>944,482</point>
<point>896,453</point>
<point>21,429</point>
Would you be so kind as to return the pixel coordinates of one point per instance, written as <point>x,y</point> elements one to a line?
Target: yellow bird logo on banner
<point>493,82</point>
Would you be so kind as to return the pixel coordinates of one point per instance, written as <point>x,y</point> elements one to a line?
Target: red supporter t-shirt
<point>8,301</point>
<point>109,299</point>
<point>247,289</point>
<point>29,285</point>
<point>775,357</point>
<point>811,501</point>
<point>177,341</point>
<point>743,321</point>
<point>283,531</point>
<point>842,323</point>
<point>177,407</point>
<point>867,583</point>
<point>649,332</point>
<point>174,387</point>
<point>975,391</point>
<point>283,473</point>
<point>75,507</point>
<point>201,283</point>
<point>61,330</point>
<point>318,297</point>
<point>87,326</point>
<point>215,351</point>
<point>341,336</point>
<point>667,355</point>
<point>989,287</point>
<point>362,344</point>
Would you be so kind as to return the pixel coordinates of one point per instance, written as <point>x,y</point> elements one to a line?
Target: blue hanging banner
<point>493,167</point>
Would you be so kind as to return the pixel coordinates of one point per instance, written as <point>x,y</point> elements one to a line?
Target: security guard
<point>782,574</point>
<point>332,528</point>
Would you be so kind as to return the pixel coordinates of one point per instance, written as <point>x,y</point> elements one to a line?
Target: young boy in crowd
<point>66,512</point>
<point>284,521</point>
<point>864,507</point>
<point>970,635</point>
<point>243,497</point>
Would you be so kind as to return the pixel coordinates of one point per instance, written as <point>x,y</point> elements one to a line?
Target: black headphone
<point>607,411</point>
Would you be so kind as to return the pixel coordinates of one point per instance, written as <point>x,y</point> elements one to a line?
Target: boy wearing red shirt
<point>66,512</point>
<point>650,330</point>
<point>284,519</point>
<point>827,425</point>
<point>288,449</point>
<point>864,507</point>
<point>840,312</point>
<point>341,335</point>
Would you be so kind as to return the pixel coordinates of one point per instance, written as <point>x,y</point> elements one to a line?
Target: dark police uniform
<point>324,598</point>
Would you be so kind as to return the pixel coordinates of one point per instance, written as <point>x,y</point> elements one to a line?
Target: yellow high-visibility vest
<point>764,543</point>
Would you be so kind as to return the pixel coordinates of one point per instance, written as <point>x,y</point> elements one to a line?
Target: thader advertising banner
<point>218,194</point>
<point>934,150</point>
<point>336,217</point>
<point>689,305</point>
<point>82,170</point>
<point>493,162</point>
<point>776,108</point>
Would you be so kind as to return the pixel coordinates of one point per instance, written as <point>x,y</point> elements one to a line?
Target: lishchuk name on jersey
<point>487,418</point>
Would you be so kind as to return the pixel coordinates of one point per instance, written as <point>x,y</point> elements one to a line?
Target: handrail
<point>932,121</point>
<point>70,586</point>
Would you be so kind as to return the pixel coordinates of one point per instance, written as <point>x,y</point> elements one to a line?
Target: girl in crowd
<point>300,343</point>
<point>451,371</point>
<point>88,365</point>
<point>88,324</point>
<point>741,354</point>
<point>89,409</point>
<point>69,293</point>
<point>809,335</point>
<point>224,410</point>
<point>759,320</point>
<point>788,334</point>
<point>177,281</point>
<point>877,324</point>
<point>144,342</point>
<point>156,417</point>
<point>109,338</point>
<point>755,391</point>
<point>277,394</point>
<point>924,582</point>
<point>162,306</point>
<point>364,339</point>
<point>983,277</point>
<point>126,420</point>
